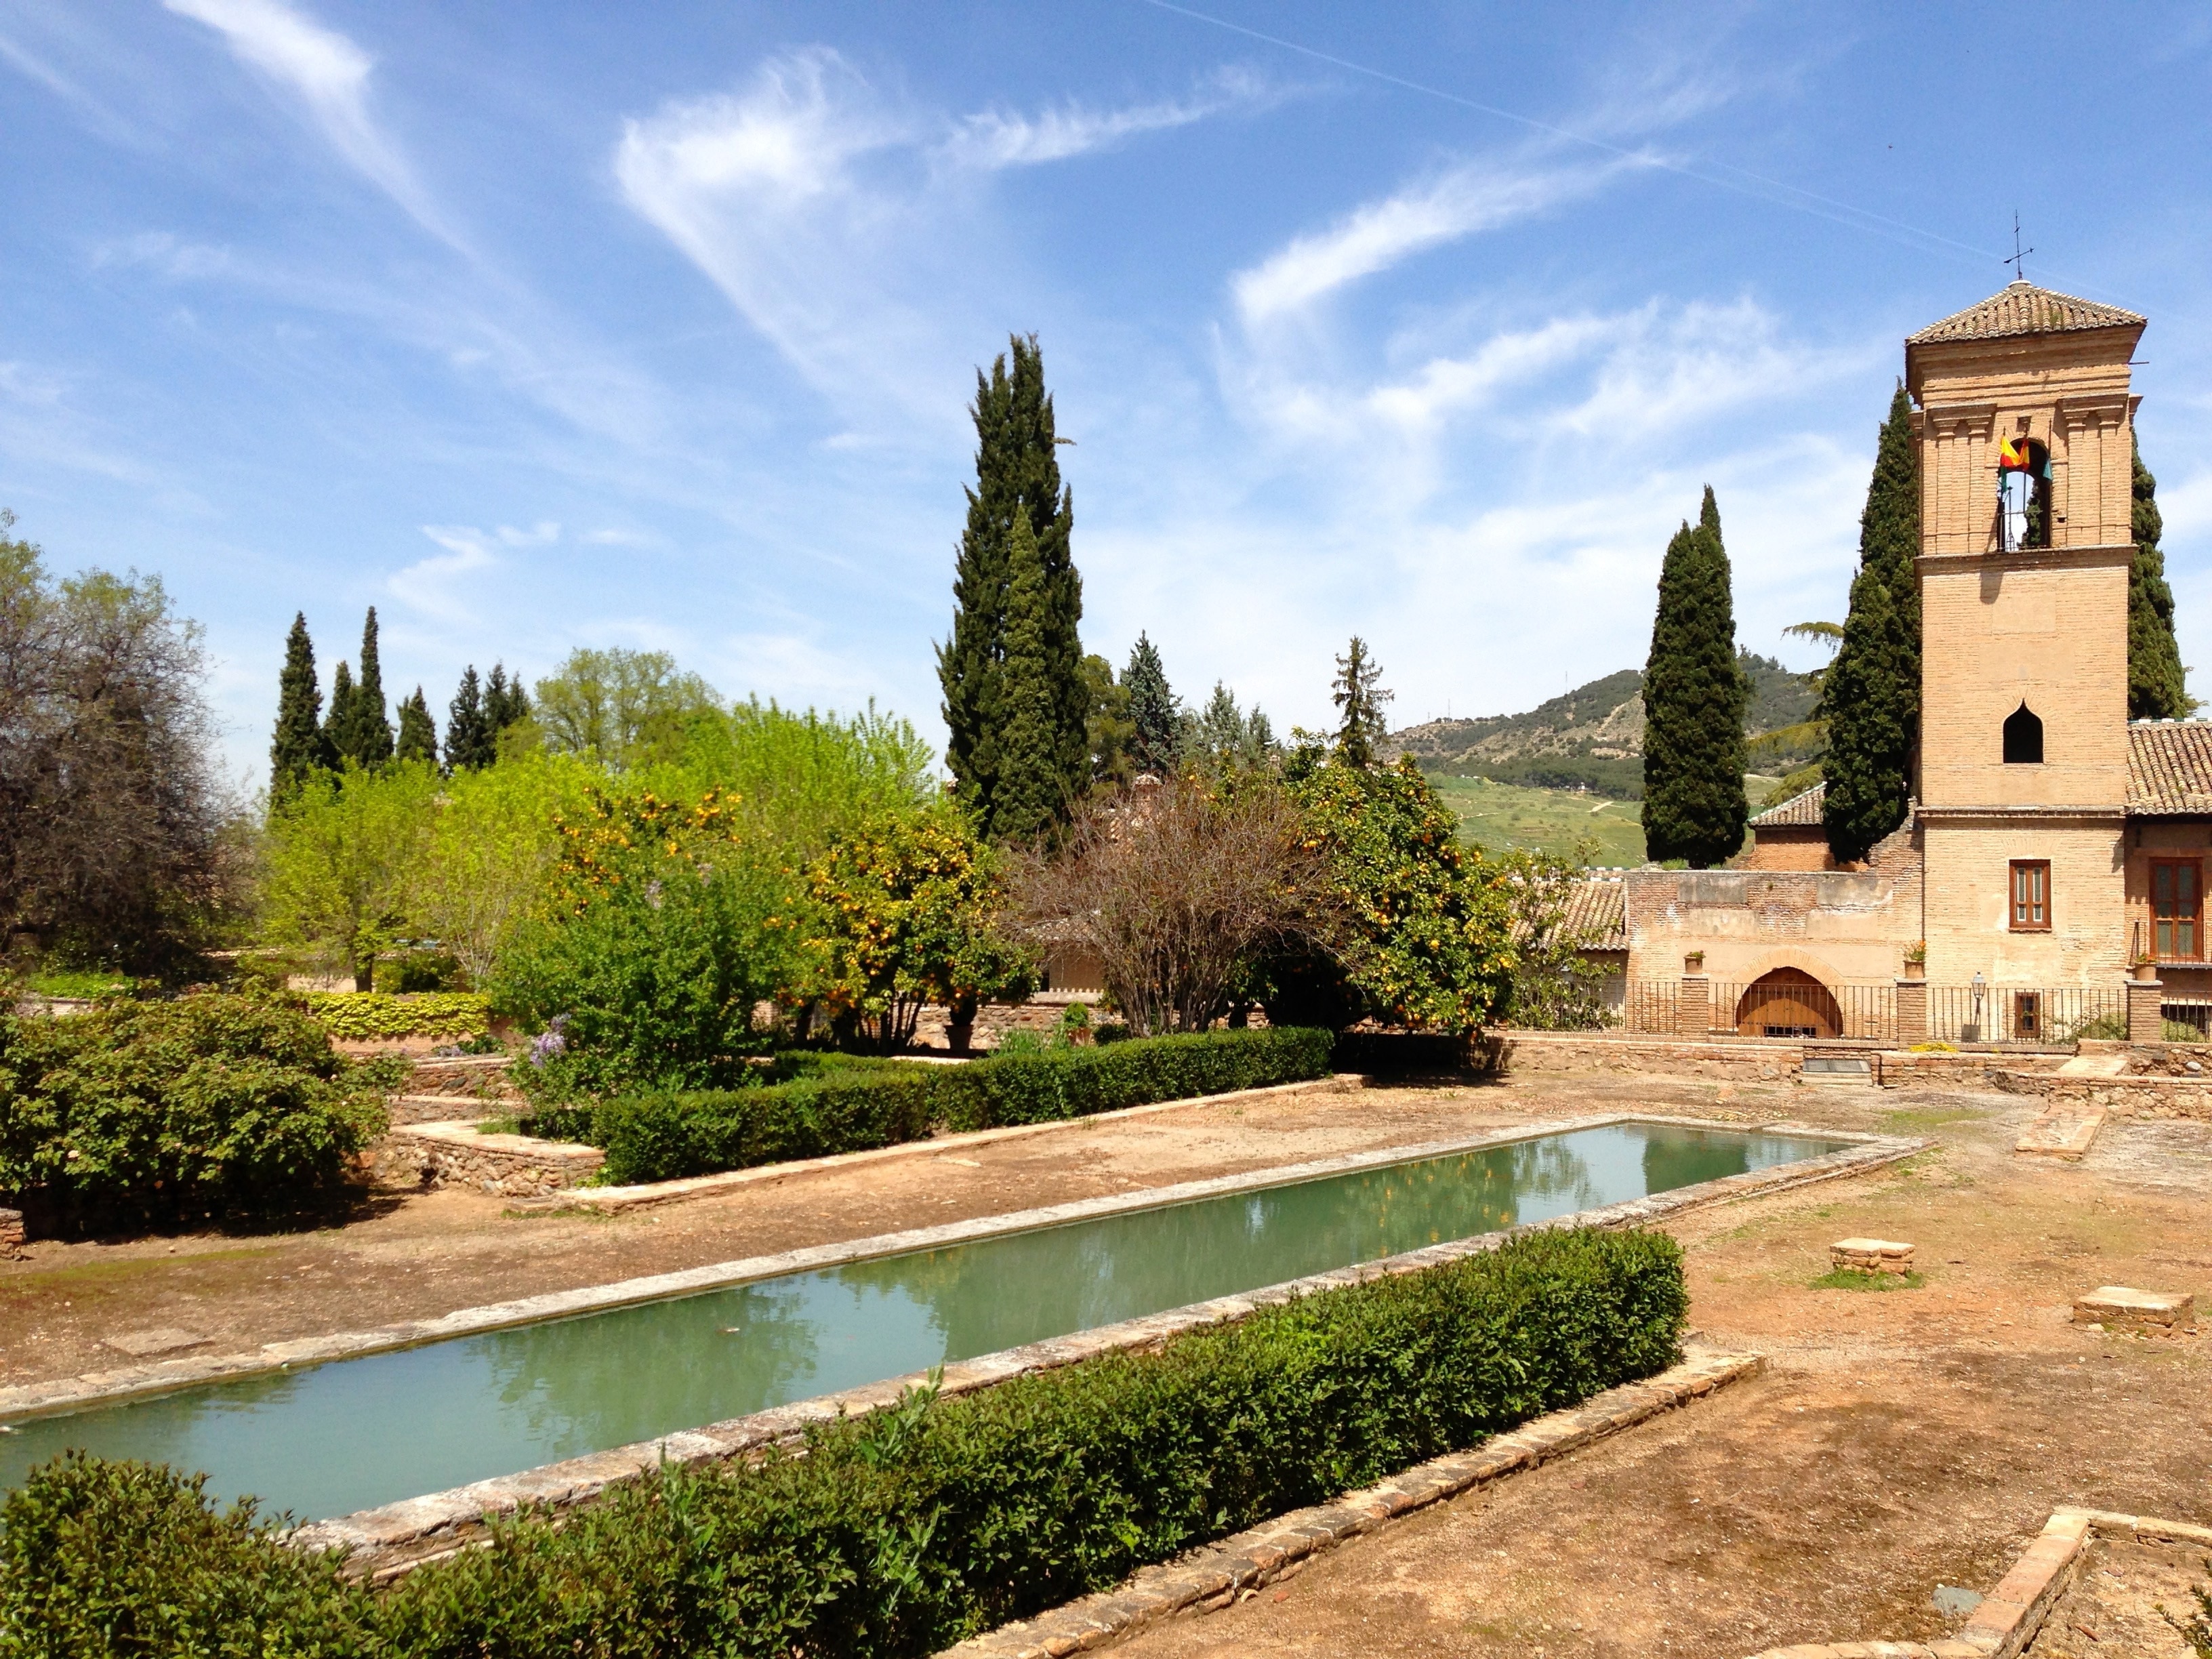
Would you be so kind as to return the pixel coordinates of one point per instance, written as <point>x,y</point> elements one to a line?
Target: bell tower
<point>2026,430</point>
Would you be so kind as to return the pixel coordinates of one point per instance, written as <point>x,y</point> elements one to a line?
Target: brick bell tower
<point>2026,431</point>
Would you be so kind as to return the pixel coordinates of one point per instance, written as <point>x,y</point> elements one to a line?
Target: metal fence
<point>2019,1013</point>
<point>1869,1013</point>
<point>1866,1013</point>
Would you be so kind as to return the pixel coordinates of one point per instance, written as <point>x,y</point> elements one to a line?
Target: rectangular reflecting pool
<point>355,1433</point>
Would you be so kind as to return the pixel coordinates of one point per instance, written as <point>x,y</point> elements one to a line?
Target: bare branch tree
<point>1178,886</point>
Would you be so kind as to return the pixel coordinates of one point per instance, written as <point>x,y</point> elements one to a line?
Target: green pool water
<point>355,1433</point>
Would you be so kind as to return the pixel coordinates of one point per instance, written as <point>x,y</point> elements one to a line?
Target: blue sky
<point>655,325</point>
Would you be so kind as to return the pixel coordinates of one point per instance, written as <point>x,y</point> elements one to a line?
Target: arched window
<point>2023,737</point>
<point>2023,495</point>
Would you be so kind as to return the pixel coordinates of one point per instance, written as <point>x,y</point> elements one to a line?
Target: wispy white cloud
<point>329,74</point>
<point>1006,138</point>
<point>430,585</point>
<point>1475,197</point>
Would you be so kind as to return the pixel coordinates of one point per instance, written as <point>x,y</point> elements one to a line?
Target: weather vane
<point>2019,271</point>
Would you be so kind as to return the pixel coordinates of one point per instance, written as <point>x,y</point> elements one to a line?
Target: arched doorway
<point>1788,1003</point>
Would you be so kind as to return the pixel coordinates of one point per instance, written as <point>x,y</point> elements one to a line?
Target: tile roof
<point>1595,918</point>
<point>1798,810</point>
<point>2024,309</point>
<point>2169,767</point>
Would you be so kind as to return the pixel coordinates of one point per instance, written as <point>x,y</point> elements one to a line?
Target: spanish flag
<point>2013,457</point>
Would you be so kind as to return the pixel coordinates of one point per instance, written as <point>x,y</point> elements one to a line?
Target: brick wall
<point>1968,899</point>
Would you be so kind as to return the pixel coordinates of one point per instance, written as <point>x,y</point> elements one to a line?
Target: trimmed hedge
<point>904,1531</point>
<point>366,1016</point>
<point>207,1106</point>
<point>856,1107</point>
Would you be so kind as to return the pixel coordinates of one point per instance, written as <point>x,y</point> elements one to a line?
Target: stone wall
<point>484,1077</point>
<point>1741,1060</point>
<point>511,1166</point>
<point>1843,928</point>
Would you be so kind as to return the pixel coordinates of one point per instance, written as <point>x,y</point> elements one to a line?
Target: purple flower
<point>553,1040</point>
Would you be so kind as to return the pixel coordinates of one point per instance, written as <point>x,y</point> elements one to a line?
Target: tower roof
<point>2024,309</point>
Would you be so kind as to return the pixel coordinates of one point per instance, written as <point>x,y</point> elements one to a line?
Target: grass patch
<point>1849,1278</point>
<point>1499,816</point>
<point>1931,1117</point>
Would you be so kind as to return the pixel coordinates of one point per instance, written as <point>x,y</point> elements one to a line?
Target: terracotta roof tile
<point>1595,918</point>
<point>2024,309</point>
<point>1799,810</point>
<point>2169,767</point>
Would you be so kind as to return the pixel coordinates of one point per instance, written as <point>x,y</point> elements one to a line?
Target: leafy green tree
<point>301,744</point>
<point>1555,987</point>
<point>1031,790</point>
<point>344,858</point>
<point>906,912</point>
<point>1871,694</point>
<point>468,738</point>
<point>1694,698</point>
<point>1359,696</point>
<point>1222,738</point>
<point>1112,733</point>
<point>2157,687</point>
<point>359,729</point>
<point>628,707</point>
<point>1152,710</point>
<point>491,850</point>
<point>1426,936</point>
<point>418,733</point>
<point>1017,471</point>
<point>1870,712</point>
<point>796,780</point>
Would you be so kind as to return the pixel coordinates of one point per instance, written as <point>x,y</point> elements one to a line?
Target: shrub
<point>365,1015</point>
<point>856,1106</point>
<point>209,1106</point>
<point>909,1529</point>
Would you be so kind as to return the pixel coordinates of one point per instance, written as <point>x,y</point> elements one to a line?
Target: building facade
<point>2051,846</point>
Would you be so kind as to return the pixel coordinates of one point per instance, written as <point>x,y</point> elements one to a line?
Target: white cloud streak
<point>329,74</point>
<point>999,138</point>
<point>1470,199</point>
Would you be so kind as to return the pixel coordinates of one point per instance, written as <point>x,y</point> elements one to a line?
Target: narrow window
<point>2031,896</point>
<point>2023,737</point>
<point>2177,907</point>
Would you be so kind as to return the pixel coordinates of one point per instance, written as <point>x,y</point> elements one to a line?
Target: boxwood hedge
<point>368,1016</point>
<point>898,1533</point>
<point>856,1107</point>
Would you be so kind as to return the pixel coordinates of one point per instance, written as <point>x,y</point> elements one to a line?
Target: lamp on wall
<point>1973,1031</point>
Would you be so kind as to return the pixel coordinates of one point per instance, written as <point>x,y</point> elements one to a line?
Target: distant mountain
<point>1592,737</point>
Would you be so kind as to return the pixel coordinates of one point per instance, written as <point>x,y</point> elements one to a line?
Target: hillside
<point>1592,737</point>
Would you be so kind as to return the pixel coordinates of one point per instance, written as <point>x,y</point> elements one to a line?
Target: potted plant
<point>1916,960</point>
<point>2144,964</point>
<point>1694,962</point>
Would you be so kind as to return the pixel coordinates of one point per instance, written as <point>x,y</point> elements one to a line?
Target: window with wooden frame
<point>2176,908</point>
<point>2031,896</point>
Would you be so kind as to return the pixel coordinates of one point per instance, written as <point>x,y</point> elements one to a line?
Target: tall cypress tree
<point>2158,688</point>
<point>299,746</point>
<point>1017,471</point>
<point>361,729</point>
<point>1871,695</point>
<point>1151,710</point>
<point>505,702</point>
<point>1031,786</point>
<point>1358,695</point>
<point>1869,734</point>
<point>418,733</point>
<point>468,736</point>
<point>1694,699</point>
<point>337,725</point>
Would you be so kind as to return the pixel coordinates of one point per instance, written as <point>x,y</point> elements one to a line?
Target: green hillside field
<point>1498,816</point>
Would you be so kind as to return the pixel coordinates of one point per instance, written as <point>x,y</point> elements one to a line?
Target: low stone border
<point>1757,1057</point>
<point>517,1166</point>
<point>2138,1097</point>
<point>2008,1620</point>
<point>645,1194</point>
<point>1216,1576</point>
<point>2063,1132</point>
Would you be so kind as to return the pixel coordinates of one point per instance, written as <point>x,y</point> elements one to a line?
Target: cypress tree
<point>468,737</point>
<point>2157,687</point>
<point>372,732</point>
<point>1031,788</point>
<point>418,733</point>
<point>505,702</point>
<point>1017,471</point>
<point>1694,698</point>
<point>299,746</point>
<point>1869,736</point>
<point>337,725</point>
<point>1358,695</point>
<point>1151,710</point>
<point>1870,697</point>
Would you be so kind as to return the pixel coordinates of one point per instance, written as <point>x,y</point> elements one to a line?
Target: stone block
<point>1871,1255</point>
<point>11,1232</point>
<point>2116,1307</point>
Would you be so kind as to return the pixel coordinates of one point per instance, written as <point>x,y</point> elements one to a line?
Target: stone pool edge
<point>69,1394</point>
<point>393,1538</point>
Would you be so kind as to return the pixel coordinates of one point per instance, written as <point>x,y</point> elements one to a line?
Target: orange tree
<point>1425,924</point>
<point>906,908</point>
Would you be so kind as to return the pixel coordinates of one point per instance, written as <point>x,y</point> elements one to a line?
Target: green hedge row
<point>209,1106</point>
<point>855,1107</point>
<point>902,1532</point>
<point>366,1016</point>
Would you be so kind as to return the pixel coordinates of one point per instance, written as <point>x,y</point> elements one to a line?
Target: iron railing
<point>1869,1013</point>
<point>1865,1013</point>
<point>2020,1013</point>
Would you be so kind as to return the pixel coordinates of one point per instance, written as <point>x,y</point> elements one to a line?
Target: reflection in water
<point>358,1432</point>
